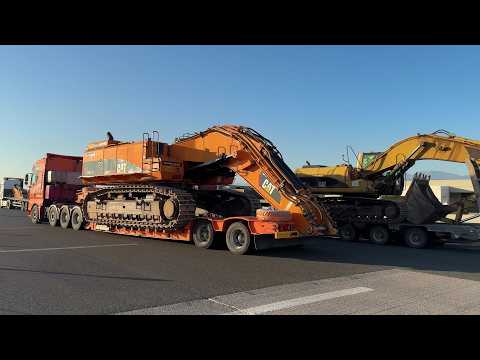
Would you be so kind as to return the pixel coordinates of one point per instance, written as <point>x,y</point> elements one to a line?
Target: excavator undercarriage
<point>418,206</point>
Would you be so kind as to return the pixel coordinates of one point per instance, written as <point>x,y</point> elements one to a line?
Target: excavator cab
<point>366,158</point>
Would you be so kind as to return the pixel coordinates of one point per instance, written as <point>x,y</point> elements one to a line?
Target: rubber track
<point>184,198</point>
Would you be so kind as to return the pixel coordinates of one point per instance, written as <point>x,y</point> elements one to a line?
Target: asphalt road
<point>45,270</point>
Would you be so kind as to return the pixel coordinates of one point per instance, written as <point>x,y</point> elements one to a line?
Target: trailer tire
<point>35,214</point>
<point>53,215</point>
<point>203,234</point>
<point>348,232</point>
<point>77,218</point>
<point>379,235</point>
<point>238,238</point>
<point>64,217</point>
<point>416,238</point>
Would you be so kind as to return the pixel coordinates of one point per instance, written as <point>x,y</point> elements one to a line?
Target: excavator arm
<point>439,145</point>
<point>255,159</point>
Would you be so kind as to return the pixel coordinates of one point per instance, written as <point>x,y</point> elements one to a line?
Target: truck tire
<point>77,218</point>
<point>64,217</point>
<point>9,204</point>
<point>416,238</point>
<point>35,214</point>
<point>53,215</point>
<point>203,234</point>
<point>379,235</point>
<point>238,238</point>
<point>348,232</point>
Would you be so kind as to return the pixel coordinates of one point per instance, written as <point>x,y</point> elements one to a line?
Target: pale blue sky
<point>311,101</point>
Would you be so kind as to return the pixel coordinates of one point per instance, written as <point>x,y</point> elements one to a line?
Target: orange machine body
<point>110,162</point>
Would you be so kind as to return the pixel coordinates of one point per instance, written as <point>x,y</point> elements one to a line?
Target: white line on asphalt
<point>65,248</point>
<point>299,301</point>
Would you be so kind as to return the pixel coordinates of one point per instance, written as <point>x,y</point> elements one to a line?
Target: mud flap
<point>422,204</point>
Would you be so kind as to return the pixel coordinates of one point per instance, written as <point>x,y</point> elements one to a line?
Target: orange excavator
<point>178,191</point>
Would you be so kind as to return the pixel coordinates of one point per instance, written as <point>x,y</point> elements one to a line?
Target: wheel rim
<point>415,238</point>
<point>34,213</point>
<point>379,236</point>
<point>75,218</point>
<point>347,233</point>
<point>52,216</point>
<point>204,234</point>
<point>64,217</point>
<point>238,239</point>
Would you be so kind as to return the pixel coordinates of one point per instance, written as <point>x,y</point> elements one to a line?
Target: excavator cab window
<point>365,159</point>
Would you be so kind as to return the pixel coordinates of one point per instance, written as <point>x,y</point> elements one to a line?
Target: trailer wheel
<point>379,235</point>
<point>53,215</point>
<point>238,238</point>
<point>35,214</point>
<point>348,232</point>
<point>77,218</point>
<point>64,217</point>
<point>203,234</point>
<point>416,238</point>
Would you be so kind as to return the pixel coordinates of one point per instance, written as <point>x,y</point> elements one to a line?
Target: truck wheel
<point>416,238</point>
<point>64,217</point>
<point>77,218</point>
<point>53,215</point>
<point>203,234</point>
<point>238,238</point>
<point>348,232</point>
<point>9,204</point>
<point>379,235</point>
<point>35,214</point>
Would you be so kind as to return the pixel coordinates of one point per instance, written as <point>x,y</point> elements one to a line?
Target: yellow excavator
<point>368,193</point>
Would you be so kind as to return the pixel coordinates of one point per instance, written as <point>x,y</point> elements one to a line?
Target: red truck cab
<point>55,179</point>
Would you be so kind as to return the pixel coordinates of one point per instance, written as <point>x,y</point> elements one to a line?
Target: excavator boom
<point>259,163</point>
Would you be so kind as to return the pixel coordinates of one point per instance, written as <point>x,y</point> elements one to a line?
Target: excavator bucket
<point>422,204</point>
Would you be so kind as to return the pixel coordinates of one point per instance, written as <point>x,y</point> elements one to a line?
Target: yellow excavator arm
<point>384,174</point>
<point>436,146</point>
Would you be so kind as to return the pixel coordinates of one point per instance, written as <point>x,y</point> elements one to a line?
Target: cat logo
<point>268,186</point>
<point>271,189</point>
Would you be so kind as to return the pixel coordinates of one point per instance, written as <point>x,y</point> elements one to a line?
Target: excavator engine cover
<point>423,206</point>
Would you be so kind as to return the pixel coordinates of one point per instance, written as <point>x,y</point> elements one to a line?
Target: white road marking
<point>65,248</point>
<point>299,301</point>
<point>224,304</point>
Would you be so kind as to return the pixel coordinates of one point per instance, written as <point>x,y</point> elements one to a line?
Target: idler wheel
<point>170,209</point>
